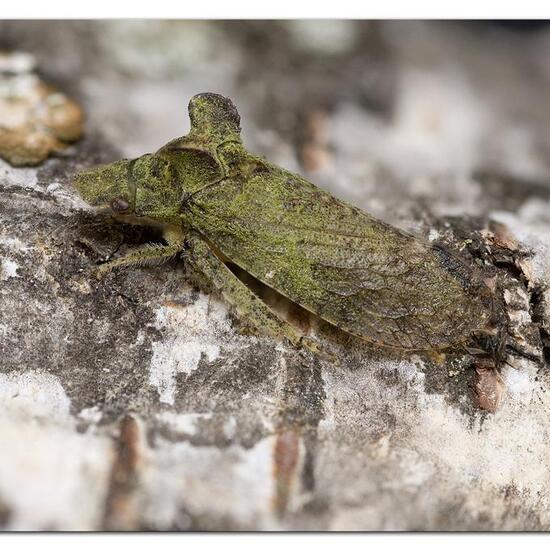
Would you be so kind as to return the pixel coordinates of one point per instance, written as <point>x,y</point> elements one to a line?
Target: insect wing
<point>340,263</point>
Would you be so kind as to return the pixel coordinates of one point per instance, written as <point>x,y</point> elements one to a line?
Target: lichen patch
<point>8,269</point>
<point>52,476</point>
<point>189,334</point>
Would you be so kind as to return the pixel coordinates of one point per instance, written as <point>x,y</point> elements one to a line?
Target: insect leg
<point>149,254</point>
<point>236,293</point>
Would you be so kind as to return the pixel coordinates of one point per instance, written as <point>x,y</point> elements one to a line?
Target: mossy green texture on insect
<point>216,200</point>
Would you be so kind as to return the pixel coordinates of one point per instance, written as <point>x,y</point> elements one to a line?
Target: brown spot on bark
<point>314,152</point>
<point>121,511</point>
<point>488,387</point>
<point>526,267</point>
<point>505,249</point>
<point>491,283</point>
<point>501,236</point>
<point>285,457</point>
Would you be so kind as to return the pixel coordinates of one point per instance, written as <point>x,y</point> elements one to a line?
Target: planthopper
<point>217,203</point>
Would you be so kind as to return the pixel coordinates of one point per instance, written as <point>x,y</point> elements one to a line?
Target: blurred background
<point>450,117</point>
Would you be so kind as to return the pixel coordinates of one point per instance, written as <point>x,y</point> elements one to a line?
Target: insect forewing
<point>340,263</point>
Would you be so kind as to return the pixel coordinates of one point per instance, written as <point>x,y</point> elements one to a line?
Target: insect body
<point>216,200</point>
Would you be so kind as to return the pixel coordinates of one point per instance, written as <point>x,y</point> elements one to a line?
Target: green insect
<point>217,202</point>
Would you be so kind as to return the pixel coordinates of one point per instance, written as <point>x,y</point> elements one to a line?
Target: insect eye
<point>119,205</point>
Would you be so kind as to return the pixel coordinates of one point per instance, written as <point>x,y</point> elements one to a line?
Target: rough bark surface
<point>139,402</point>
